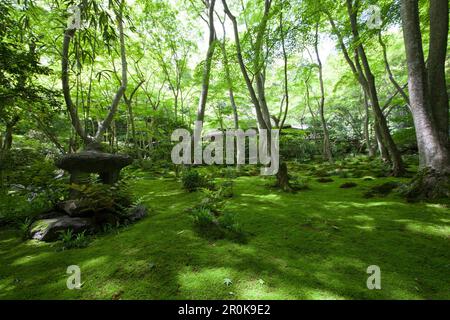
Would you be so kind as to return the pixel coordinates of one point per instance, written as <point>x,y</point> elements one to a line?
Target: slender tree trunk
<point>129,104</point>
<point>370,150</point>
<point>73,112</point>
<point>384,152</point>
<point>226,67</point>
<point>308,103</point>
<point>282,116</point>
<point>208,61</point>
<point>243,68</point>
<point>326,138</point>
<point>396,159</point>
<point>389,71</point>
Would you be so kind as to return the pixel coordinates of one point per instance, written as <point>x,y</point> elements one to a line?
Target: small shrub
<point>226,189</point>
<point>24,227</point>
<point>382,189</point>
<point>213,200</point>
<point>300,184</point>
<point>228,221</point>
<point>357,174</point>
<point>203,217</point>
<point>321,173</point>
<point>192,180</point>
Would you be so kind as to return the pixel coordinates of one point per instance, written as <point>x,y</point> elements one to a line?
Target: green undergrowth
<point>313,244</point>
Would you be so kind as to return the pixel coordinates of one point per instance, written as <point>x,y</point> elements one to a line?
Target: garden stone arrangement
<point>77,214</point>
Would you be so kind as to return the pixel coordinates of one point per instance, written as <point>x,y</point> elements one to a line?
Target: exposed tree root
<point>283,179</point>
<point>428,184</point>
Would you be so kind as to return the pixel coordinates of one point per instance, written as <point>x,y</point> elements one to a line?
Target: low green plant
<point>229,222</point>
<point>24,227</point>
<point>114,198</point>
<point>203,217</point>
<point>70,241</point>
<point>192,180</point>
<point>226,189</point>
<point>213,200</point>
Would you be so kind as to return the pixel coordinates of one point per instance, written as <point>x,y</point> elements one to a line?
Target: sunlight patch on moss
<point>318,294</point>
<point>348,204</point>
<point>429,229</point>
<point>366,227</point>
<point>27,259</point>
<point>438,206</point>
<point>362,217</point>
<point>203,282</point>
<point>272,197</point>
<point>256,290</point>
<point>95,262</point>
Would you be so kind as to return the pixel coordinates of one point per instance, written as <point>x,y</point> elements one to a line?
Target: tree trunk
<point>370,150</point>
<point>208,62</point>
<point>389,71</point>
<point>369,83</point>
<point>326,138</point>
<point>72,108</point>
<point>436,67</point>
<point>384,153</point>
<point>427,95</point>
<point>433,151</point>
<point>427,105</point>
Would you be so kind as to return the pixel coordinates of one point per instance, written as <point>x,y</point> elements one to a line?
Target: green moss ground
<point>316,244</point>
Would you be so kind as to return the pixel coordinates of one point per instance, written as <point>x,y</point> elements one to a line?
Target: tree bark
<point>226,67</point>
<point>369,81</point>
<point>326,138</point>
<point>436,67</point>
<point>389,71</point>
<point>207,67</point>
<point>243,68</point>
<point>370,150</point>
<point>72,108</point>
<point>427,106</point>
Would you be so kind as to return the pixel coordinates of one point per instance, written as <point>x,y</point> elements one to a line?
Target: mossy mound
<point>348,185</point>
<point>382,190</point>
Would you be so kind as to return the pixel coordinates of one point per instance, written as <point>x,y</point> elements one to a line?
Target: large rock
<point>49,229</point>
<point>137,213</point>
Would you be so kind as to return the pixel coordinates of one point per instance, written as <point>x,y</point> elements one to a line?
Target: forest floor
<point>315,244</point>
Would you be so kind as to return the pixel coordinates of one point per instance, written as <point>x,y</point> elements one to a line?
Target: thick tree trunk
<point>427,105</point>
<point>432,150</point>
<point>283,178</point>
<point>436,67</point>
